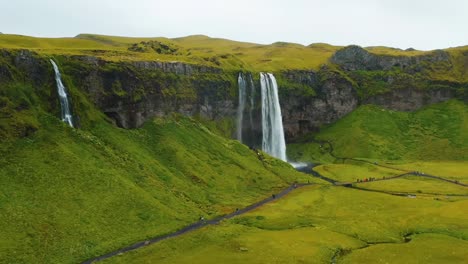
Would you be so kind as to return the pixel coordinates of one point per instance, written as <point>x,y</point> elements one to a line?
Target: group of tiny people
<point>367,179</point>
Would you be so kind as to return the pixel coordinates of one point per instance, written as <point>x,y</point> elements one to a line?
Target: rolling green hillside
<point>436,132</point>
<point>67,195</point>
<point>201,50</point>
<point>70,194</point>
<point>196,49</point>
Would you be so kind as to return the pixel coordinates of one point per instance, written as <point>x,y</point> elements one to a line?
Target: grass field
<point>320,223</point>
<point>416,185</point>
<point>409,184</point>
<point>424,248</point>
<point>233,243</point>
<point>70,194</point>
<point>453,170</point>
<point>351,172</point>
<point>204,50</point>
<point>197,49</point>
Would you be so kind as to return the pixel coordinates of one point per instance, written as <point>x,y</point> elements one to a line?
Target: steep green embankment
<point>67,195</point>
<point>436,132</point>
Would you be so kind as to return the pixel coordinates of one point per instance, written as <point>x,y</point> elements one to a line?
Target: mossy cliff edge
<point>132,90</point>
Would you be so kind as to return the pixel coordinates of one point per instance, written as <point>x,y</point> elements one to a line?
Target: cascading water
<point>66,113</point>
<point>240,110</point>
<point>252,101</point>
<point>272,124</point>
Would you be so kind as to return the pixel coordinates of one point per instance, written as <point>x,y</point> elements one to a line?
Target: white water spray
<point>66,113</point>
<point>240,108</point>
<point>272,124</point>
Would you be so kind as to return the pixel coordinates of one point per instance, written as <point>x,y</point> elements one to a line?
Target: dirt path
<point>197,225</point>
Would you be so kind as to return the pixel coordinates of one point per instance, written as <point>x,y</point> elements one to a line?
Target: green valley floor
<point>405,220</point>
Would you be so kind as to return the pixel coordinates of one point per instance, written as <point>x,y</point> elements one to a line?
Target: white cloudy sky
<point>421,24</point>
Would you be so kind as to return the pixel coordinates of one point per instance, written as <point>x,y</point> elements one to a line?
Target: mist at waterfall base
<point>65,107</point>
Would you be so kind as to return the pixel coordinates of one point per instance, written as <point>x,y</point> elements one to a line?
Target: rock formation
<point>130,93</point>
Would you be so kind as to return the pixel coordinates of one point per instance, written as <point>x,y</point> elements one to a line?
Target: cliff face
<point>130,93</point>
<point>410,99</point>
<point>334,97</point>
<point>354,58</point>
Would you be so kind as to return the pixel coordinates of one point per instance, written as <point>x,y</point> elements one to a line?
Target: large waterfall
<point>240,109</point>
<point>272,124</point>
<point>66,113</point>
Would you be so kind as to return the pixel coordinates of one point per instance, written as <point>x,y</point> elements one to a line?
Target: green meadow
<point>413,219</point>
<point>325,224</point>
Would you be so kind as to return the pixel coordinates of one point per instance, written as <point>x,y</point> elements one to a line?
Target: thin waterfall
<point>240,110</point>
<point>272,124</point>
<point>66,113</point>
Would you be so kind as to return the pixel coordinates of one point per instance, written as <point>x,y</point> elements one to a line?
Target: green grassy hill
<point>197,49</point>
<point>436,132</point>
<point>67,195</point>
<point>70,194</point>
<point>202,50</point>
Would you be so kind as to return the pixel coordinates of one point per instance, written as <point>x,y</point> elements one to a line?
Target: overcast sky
<point>421,24</point>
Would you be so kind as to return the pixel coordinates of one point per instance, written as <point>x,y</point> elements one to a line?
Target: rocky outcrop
<point>410,99</point>
<point>130,93</point>
<point>353,58</point>
<point>335,97</point>
<point>33,67</point>
<point>175,67</point>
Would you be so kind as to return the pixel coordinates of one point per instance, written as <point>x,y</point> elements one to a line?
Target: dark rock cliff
<point>334,97</point>
<point>354,58</point>
<point>130,93</point>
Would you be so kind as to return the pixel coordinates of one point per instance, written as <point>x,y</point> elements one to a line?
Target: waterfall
<point>66,114</point>
<point>272,124</point>
<point>240,109</point>
<point>252,101</point>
